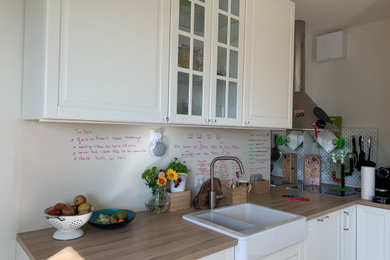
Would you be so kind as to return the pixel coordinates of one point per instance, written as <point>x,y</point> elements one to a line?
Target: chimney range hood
<point>305,111</point>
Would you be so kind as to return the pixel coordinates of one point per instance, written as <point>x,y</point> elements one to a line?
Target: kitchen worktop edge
<point>192,241</point>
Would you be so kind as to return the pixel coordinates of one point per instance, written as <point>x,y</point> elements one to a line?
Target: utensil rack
<point>326,166</point>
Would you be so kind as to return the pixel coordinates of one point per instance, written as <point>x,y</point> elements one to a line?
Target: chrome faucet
<point>220,158</point>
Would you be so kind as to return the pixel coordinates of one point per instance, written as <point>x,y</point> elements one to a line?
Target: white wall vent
<point>331,46</point>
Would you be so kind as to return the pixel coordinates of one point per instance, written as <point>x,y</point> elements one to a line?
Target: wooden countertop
<point>319,204</point>
<point>169,236</point>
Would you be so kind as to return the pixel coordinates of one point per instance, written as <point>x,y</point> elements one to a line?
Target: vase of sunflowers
<point>177,173</point>
<point>156,181</point>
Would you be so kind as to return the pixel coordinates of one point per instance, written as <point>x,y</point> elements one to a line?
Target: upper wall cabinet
<point>97,60</point>
<point>269,43</point>
<point>207,50</point>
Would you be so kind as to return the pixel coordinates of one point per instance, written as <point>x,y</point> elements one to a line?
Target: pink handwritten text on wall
<point>88,146</point>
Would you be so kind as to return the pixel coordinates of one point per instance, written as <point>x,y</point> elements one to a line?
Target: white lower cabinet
<point>348,233</point>
<point>20,254</point>
<point>323,236</point>
<point>332,236</point>
<point>227,254</point>
<point>373,233</point>
<point>294,252</point>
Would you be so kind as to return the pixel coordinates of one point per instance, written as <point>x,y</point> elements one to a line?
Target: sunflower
<point>162,181</point>
<point>172,175</point>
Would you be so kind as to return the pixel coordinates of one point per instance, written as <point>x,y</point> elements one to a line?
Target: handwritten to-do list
<point>90,146</point>
<point>199,148</point>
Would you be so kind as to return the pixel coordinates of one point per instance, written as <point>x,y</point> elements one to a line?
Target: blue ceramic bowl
<point>110,212</point>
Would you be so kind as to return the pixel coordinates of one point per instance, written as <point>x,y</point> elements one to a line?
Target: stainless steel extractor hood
<point>303,106</point>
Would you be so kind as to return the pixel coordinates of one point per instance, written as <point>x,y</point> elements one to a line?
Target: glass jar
<point>159,202</point>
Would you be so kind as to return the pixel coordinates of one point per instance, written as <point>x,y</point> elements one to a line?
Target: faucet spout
<point>220,158</point>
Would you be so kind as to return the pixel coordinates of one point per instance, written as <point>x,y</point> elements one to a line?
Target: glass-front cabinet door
<point>227,62</point>
<point>190,66</point>
<point>206,61</point>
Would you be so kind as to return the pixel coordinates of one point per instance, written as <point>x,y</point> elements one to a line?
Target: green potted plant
<point>177,173</point>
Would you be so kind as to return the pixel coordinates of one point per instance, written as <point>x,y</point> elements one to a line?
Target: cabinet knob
<point>214,120</point>
<point>166,118</point>
<point>207,120</point>
<point>246,122</point>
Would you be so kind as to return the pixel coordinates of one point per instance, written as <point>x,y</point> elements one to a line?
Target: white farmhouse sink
<point>260,231</point>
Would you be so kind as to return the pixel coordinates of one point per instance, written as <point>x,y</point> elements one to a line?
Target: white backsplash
<point>105,162</point>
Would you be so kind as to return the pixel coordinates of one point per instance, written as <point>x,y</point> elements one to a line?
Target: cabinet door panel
<point>113,60</point>
<point>348,237</point>
<point>190,54</point>
<point>323,237</point>
<point>373,233</point>
<point>290,253</point>
<point>227,62</point>
<point>269,63</point>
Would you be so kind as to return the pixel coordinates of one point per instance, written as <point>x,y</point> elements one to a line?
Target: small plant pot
<point>179,186</point>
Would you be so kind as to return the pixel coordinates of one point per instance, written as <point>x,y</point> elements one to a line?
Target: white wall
<point>357,88</point>
<point>50,174</point>
<point>11,45</point>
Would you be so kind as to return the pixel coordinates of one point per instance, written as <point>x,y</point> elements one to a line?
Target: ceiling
<point>324,16</point>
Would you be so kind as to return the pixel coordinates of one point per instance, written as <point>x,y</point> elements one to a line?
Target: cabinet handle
<point>214,120</point>
<point>323,219</point>
<point>246,122</point>
<point>207,120</point>
<point>166,118</point>
<point>346,220</point>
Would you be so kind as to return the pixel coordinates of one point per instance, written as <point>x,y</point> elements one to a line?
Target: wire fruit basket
<point>68,227</point>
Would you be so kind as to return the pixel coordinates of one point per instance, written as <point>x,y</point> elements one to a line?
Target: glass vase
<point>159,202</point>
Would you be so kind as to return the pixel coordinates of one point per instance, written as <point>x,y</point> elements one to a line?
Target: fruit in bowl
<point>79,199</point>
<point>111,218</point>
<point>68,220</point>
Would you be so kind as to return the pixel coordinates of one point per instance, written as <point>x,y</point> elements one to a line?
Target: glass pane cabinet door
<point>227,64</point>
<point>190,67</point>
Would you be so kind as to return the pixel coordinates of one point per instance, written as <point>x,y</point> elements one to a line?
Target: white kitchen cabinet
<point>323,237</point>
<point>269,57</point>
<point>348,233</point>
<point>294,252</point>
<point>20,254</point>
<point>96,60</point>
<point>207,50</point>
<point>373,233</point>
<point>227,254</point>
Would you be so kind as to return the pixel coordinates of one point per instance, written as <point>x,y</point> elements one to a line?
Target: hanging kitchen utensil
<point>320,123</point>
<point>280,141</point>
<point>323,118</point>
<point>354,151</point>
<point>369,163</point>
<point>362,155</point>
<point>315,130</point>
<point>275,153</point>
<point>352,159</point>
<point>321,114</point>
